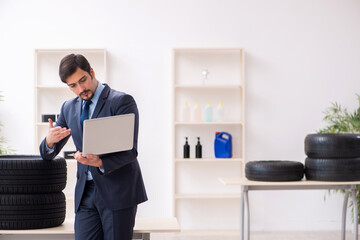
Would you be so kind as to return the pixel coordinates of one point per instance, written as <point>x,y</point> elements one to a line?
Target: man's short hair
<point>70,63</point>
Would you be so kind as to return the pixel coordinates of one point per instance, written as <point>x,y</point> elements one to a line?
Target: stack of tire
<point>31,194</point>
<point>332,157</point>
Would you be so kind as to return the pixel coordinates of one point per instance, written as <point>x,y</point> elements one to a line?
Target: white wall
<point>300,56</point>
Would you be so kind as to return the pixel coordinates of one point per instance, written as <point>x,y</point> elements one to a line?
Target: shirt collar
<point>97,93</point>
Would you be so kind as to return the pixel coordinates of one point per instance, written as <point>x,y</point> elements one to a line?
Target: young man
<point>110,186</point>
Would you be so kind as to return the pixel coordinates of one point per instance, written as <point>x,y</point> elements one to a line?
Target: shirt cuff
<point>102,169</point>
<point>49,150</point>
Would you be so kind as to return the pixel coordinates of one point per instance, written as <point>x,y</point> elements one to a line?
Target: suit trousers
<point>94,221</point>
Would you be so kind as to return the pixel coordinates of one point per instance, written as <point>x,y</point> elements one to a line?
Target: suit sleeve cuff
<point>49,150</point>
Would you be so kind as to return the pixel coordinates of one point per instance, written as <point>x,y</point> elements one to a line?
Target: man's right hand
<point>55,134</point>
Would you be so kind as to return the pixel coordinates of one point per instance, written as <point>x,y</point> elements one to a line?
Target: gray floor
<point>319,235</point>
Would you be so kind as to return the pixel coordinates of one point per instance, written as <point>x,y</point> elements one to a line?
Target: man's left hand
<point>91,160</point>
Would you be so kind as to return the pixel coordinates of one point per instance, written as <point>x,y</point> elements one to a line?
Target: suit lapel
<point>102,99</point>
<point>78,107</point>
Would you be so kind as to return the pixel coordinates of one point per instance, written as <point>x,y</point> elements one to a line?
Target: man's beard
<point>89,95</point>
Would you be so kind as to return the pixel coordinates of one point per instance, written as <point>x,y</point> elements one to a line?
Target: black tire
<point>332,169</point>
<point>31,211</point>
<point>274,171</point>
<point>342,145</point>
<point>31,174</point>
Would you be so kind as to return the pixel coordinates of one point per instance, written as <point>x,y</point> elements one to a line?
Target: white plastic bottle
<point>197,113</point>
<point>208,113</point>
<point>219,113</point>
<point>186,113</point>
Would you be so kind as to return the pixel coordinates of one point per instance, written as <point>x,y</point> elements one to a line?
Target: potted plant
<point>340,120</point>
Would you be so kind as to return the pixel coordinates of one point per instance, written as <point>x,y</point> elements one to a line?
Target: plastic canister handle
<point>225,135</point>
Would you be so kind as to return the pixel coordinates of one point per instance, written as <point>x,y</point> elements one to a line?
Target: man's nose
<point>81,88</point>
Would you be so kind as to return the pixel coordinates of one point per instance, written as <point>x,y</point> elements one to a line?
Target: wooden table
<point>247,185</point>
<point>142,229</point>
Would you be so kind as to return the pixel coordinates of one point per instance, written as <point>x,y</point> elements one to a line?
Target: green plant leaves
<point>340,120</point>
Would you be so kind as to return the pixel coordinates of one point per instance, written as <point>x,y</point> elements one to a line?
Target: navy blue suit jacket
<point>121,185</point>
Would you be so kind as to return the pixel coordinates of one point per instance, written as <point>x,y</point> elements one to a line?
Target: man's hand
<point>91,160</point>
<point>55,134</point>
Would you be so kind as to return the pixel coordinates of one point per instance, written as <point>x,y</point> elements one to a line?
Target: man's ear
<point>92,73</point>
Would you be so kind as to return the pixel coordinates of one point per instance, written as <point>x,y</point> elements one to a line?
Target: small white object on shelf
<point>196,116</point>
<point>186,113</point>
<point>208,113</point>
<point>205,74</point>
<point>219,113</point>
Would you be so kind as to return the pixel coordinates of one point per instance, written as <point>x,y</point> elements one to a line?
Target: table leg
<point>355,210</point>
<point>242,214</point>
<point>343,219</point>
<point>247,214</point>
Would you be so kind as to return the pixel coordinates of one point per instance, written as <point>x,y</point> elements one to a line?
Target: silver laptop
<point>108,134</point>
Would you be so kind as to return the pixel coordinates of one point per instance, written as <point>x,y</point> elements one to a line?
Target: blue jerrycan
<point>222,145</point>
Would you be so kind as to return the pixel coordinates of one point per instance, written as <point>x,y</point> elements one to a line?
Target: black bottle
<point>198,152</point>
<point>186,149</point>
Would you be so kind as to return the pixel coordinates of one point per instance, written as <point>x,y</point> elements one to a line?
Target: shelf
<point>208,123</point>
<point>208,50</point>
<point>42,124</point>
<point>223,87</point>
<point>71,160</point>
<point>65,50</point>
<point>51,87</point>
<point>209,160</point>
<point>208,196</point>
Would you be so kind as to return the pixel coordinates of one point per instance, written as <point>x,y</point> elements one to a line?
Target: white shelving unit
<point>197,179</point>
<point>51,93</point>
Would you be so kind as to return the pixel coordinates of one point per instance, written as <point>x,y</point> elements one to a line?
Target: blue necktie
<point>85,113</point>
<point>85,116</point>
